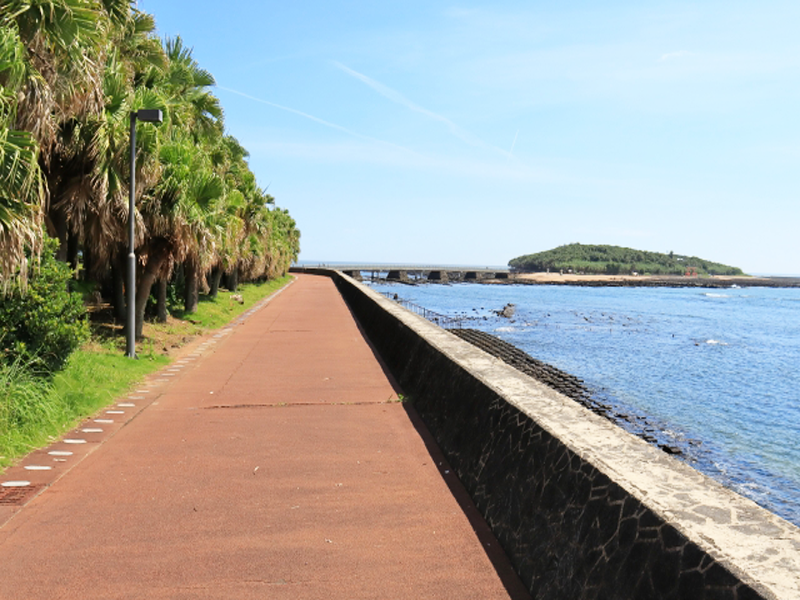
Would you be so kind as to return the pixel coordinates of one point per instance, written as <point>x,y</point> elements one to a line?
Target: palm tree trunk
<point>216,277</point>
<point>72,252</point>
<point>233,279</point>
<point>161,306</point>
<point>59,221</point>
<point>87,264</point>
<point>190,269</point>
<point>158,253</point>
<point>118,274</point>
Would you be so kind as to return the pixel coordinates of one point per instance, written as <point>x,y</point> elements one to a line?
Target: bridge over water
<point>410,273</point>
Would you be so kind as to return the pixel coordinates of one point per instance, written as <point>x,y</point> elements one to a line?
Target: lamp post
<point>148,115</point>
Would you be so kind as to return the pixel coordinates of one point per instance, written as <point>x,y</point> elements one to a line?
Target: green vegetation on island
<point>616,260</point>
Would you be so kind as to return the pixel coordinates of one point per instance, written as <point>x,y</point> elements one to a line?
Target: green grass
<point>212,314</point>
<point>35,411</point>
<point>222,310</point>
<point>23,410</point>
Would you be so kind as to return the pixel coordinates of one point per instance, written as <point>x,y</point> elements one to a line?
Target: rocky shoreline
<point>595,400</point>
<point>673,281</point>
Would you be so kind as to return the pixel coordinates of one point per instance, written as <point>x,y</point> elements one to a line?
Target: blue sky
<point>473,132</point>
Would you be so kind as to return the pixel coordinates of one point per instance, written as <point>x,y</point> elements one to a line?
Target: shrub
<point>44,323</point>
<point>21,408</point>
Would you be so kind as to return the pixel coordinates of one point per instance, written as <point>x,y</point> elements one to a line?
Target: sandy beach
<point>572,277</point>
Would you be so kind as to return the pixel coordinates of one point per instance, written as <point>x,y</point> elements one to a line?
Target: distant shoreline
<point>675,281</point>
<point>645,280</point>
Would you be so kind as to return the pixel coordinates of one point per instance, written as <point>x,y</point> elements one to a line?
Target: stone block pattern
<point>570,531</point>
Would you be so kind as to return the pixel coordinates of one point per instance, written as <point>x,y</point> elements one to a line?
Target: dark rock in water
<point>507,311</point>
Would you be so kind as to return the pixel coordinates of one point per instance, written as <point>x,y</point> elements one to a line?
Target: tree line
<point>613,260</point>
<point>71,73</point>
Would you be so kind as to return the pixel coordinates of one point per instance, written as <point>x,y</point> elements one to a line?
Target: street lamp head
<point>149,115</point>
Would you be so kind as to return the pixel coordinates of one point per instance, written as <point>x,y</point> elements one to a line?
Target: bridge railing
<point>384,267</point>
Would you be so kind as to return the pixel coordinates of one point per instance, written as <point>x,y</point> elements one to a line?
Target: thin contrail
<point>318,120</point>
<point>398,98</point>
<point>514,143</point>
<point>300,113</point>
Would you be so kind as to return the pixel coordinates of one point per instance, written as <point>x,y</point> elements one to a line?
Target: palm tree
<point>196,122</point>
<point>63,39</point>
<point>71,73</point>
<point>21,184</point>
<point>195,108</point>
<point>21,190</point>
<point>65,42</point>
<point>102,223</point>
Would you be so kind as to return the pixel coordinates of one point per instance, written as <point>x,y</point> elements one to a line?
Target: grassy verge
<point>34,411</point>
<point>162,338</point>
<point>212,314</point>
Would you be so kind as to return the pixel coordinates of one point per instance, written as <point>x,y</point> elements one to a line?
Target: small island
<point>592,259</point>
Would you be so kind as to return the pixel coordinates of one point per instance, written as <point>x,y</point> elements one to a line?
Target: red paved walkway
<point>267,464</point>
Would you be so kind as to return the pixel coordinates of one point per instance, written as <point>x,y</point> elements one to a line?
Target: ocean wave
<point>713,295</point>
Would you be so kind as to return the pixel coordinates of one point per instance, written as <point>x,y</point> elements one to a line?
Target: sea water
<point>718,367</point>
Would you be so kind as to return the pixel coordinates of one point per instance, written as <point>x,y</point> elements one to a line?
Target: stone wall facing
<point>583,509</point>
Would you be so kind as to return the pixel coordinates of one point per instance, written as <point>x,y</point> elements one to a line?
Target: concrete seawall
<point>583,509</point>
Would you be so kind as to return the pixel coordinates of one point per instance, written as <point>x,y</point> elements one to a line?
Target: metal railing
<point>444,321</point>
